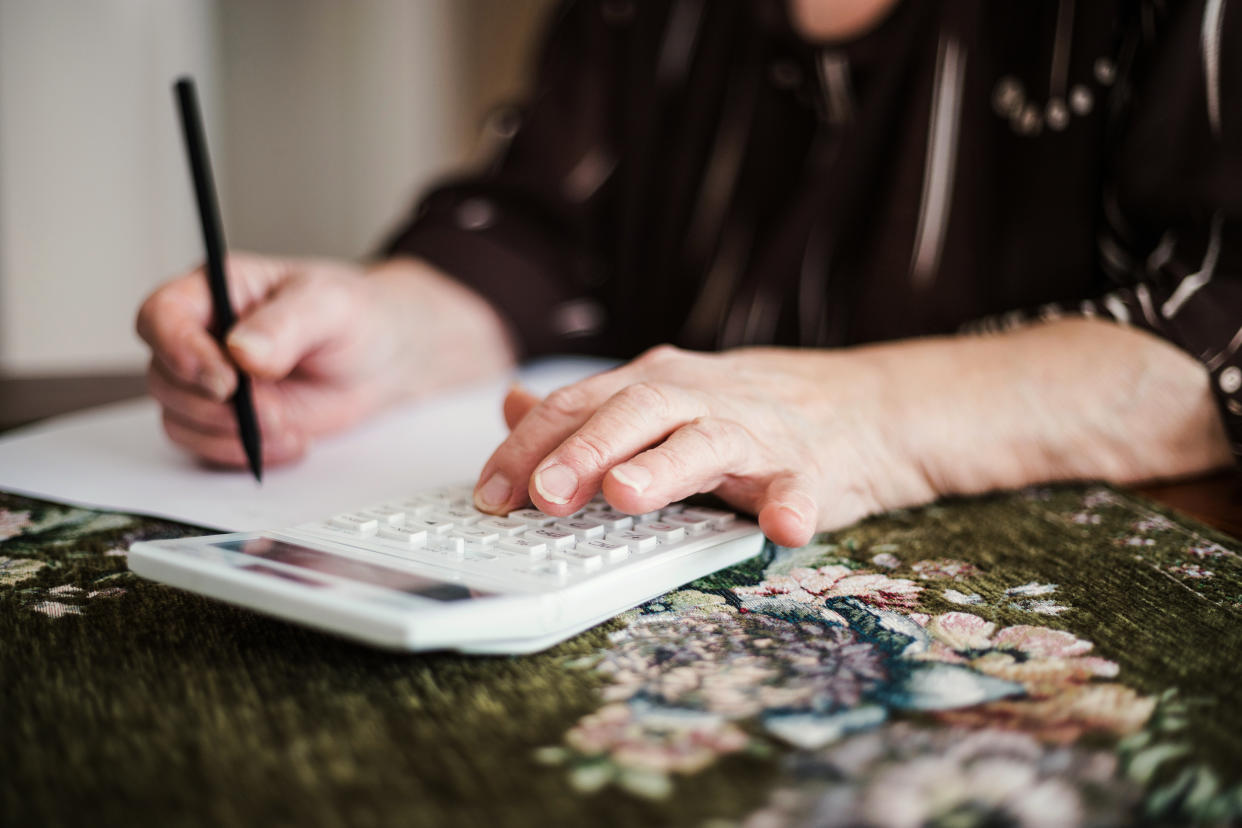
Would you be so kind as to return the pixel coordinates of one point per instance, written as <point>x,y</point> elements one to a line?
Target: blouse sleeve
<point>523,233</point>
<point>1171,234</point>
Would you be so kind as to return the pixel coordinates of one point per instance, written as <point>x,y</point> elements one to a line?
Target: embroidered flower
<point>15,570</point>
<point>944,568</point>
<point>806,585</point>
<point>13,523</point>
<point>1190,570</point>
<point>962,598</point>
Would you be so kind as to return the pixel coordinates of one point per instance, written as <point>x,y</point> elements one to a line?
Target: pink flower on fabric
<point>1042,642</point>
<point>944,568</point>
<point>13,524</point>
<point>808,585</point>
<point>962,631</point>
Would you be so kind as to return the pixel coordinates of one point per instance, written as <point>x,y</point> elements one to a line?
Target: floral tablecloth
<point>1050,657</point>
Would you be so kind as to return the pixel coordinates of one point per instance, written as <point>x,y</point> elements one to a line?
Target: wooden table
<point>1216,499</point>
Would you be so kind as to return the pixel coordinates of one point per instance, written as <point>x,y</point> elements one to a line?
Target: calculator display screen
<point>325,563</point>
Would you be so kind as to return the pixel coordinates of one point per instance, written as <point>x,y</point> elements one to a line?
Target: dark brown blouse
<point>693,172</point>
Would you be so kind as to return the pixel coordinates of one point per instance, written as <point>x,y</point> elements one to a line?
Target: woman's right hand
<point>326,343</point>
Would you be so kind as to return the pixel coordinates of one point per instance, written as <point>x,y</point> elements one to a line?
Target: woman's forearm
<point>1071,399</point>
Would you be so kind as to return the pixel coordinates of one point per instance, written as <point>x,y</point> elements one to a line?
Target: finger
<point>174,322</point>
<point>518,403</point>
<point>299,317</point>
<point>787,513</point>
<point>502,484</point>
<point>191,406</point>
<point>227,451</point>
<point>697,457</point>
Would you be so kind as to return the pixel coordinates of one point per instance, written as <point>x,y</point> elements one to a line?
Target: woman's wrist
<point>1073,399</point>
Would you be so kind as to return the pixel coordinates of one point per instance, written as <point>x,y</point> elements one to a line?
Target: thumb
<point>518,403</point>
<point>277,333</point>
<point>787,512</point>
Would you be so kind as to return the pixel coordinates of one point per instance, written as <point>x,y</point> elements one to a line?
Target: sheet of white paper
<point>116,457</point>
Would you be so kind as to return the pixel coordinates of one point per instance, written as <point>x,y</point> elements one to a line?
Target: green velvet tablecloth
<point>1052,657</point>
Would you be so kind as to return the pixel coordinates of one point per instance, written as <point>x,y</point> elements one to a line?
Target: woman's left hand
<point>793,436</point>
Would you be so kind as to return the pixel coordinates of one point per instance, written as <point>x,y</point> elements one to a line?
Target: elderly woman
<point>920,248</point>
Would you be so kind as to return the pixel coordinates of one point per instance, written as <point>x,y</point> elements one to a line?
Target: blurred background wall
<point>325,118</point>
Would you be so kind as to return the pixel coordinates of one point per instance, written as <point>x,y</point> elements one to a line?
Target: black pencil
<point>213,240</point>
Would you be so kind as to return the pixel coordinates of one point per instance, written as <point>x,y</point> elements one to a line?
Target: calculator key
<point>691,524</point>
<point>553,569</point>
<point>357,524</point>
<point>666,532</point>
<point>638,542</point>
<point>448,545</point>
<point>718,518</point>
<point>525,546</point>
<point>532,518</point>
<point>474,534</point>
<point>413,507</point>
<point>437,497</point>
<point>611,552</point>
<point>554,538</point>
<point>479,554</point>
<point>459,515</point>
<point>385,514</point>
<point>506,527</point>
<point>433,526</point>
<point>646,517</point>
<point>412,538</point>
<point>587,560</point>
<point>612,521</point>
<point>673,508</point>
<point>583,529</point>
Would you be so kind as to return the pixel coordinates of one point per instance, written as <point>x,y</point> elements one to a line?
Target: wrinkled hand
<point>326,343</point>
<point>790,435</point>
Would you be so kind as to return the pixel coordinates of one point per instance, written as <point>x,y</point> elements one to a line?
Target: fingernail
<point>556,484</point>
<point>215,384</point>
<point>494,493</point>
<point>632,476</point>
<point>255,345</point>
<point>797,515</point>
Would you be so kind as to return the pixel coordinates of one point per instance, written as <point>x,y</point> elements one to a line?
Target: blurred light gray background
<point>325,119</point>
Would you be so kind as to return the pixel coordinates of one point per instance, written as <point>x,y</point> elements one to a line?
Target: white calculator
<point>430,572</point>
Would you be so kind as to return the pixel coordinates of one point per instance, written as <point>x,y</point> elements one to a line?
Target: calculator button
<point>718,518</point>
<point>413,507</point>
<point>611,552</point>
<point>411,537</point>
<point>473,534</point>
<point>583,529</point>
<point>506,527</point>
<point>532,518</point>
<point>479,554</point>
<point>459,515</point>
<point>666,532</point>
<point>646,517</point>
<point>436,498</point>
<point>673,509</point>
<point>385,514</point>
<point>554,570</point>
<point>587,560</point>
<point>610,520</point>
<point>638,542</point>
<point>554,538</point>
<point>691,524</point>
<point>433,526</point>
<point>448,545</point>
<point>525,546</point>
<point>357,524</point>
